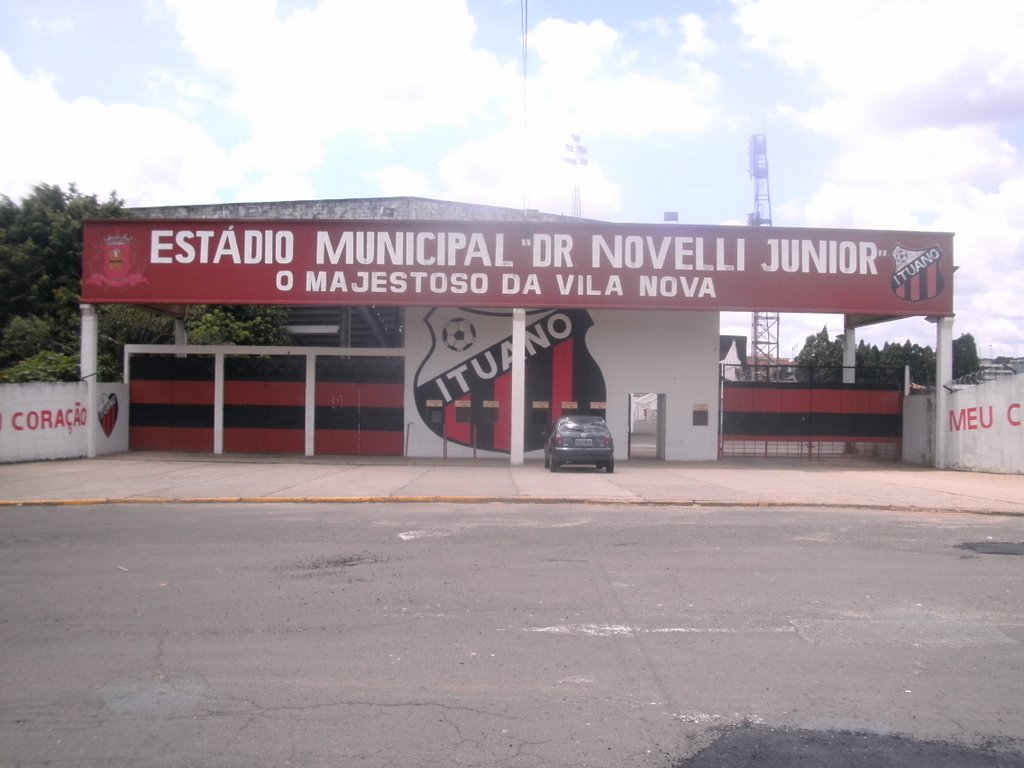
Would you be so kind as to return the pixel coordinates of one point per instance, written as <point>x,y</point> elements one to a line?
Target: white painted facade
<point>982,426</point>
<point>673,354</point>
<point>58,421</point>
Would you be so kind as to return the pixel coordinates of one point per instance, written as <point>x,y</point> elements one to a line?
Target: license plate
<point>584,441</point>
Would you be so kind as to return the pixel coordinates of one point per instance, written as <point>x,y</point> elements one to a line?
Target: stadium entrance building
<point>432,329</point>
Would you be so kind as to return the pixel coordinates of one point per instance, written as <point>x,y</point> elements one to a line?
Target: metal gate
<point>778,411</point>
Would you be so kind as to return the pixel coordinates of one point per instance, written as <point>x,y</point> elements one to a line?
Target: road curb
<point>560,500</point>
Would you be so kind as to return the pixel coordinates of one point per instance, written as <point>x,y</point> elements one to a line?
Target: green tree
<point>25,335</point>
<point>821,359</point>
<point>819,351</point>
<point>40,280</point>
<point>965,356</point>
<point>920,359</point>
<point>122,324</point>
<point>237,324</point>
<point>868,355</point>
<point>43,366</point>
<point>40,284</point>
<point>41,250</point>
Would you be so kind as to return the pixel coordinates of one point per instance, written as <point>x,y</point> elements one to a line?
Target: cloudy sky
<point>881,114</point>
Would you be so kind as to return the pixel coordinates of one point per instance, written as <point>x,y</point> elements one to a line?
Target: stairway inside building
<point>361,327</point>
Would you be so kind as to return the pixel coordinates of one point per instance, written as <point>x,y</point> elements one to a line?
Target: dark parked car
<point>579,440</point>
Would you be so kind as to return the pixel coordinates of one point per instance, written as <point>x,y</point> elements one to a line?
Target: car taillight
<point>557,440</point>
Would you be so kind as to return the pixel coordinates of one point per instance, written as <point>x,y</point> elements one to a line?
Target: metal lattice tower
<point>764,326</point>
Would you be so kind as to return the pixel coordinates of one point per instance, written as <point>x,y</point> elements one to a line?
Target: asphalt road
<point>507,635</point>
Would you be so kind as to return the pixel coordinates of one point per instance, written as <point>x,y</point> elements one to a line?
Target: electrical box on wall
<point>700,415</point>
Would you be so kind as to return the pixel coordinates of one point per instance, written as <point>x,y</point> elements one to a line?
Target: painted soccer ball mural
<point>458,334</point>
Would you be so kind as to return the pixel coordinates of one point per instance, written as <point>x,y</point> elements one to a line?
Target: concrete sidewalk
<point>159,477</point>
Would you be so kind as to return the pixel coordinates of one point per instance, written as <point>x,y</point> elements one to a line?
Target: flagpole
<point>517,404</point>
<point>577,156</point>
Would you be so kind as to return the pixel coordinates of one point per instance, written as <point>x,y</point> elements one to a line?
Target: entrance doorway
<point>646,425</point>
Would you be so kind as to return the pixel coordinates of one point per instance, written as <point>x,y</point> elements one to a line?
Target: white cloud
<point>988,247</point>
<point>276,186</point>
<point>921,99</point>
<point>401,181</point>
<point>182,96</point>
<point>904,62</point>
<point>293,93</point>
<point>695,38</point>
<point>384,69</point>
<point>588,80</point>
<point>149,156</point>
<point>57,26</point>
<point>572,51</point>
<point>497,170</point>
<point>928,155</point>
<point>658,25</point>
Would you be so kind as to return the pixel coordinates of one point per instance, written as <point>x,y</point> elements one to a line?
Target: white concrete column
<point>88,365</point>
<point>179,332</point>
<point>310,424</point>
<point>518,404</point>
<point>88,370</point>
<point>943,375</point>
<point>849,355</point>
<point>218,403</point>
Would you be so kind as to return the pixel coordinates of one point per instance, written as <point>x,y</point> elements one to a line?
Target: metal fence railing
<point>983,375</point>
<point>816,375</point>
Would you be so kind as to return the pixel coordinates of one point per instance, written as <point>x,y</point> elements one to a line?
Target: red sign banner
<point>517,264</point>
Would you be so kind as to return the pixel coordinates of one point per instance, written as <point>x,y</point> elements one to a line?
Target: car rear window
<point>584,422</point>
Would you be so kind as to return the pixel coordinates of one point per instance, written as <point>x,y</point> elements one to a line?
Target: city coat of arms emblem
<point>118,263</point>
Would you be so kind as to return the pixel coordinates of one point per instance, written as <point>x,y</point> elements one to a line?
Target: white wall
<point>983,427</point>
<point>663,352</point>
<point>918,430</point>
<point>670,353</point>
<point>49,421</point>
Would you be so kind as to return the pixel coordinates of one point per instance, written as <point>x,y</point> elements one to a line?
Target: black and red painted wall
<point>358,404</point>
<point>755,411</point>
<point>171,403</point>
<point>264,404</point>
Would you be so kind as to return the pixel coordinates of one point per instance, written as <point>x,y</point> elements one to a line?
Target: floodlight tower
<point>764,326</point>
<point>576,155</point>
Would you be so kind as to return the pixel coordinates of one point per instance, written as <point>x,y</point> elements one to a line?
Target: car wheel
<point>610,466</point>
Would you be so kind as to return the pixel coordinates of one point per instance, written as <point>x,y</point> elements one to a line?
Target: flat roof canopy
<point>859,273</point>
